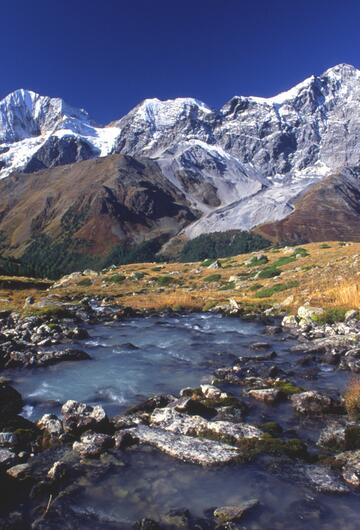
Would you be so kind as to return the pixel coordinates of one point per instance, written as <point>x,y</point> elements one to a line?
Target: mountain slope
<point>328,211</point>
<point>240,166</point>
<point>117,202</point>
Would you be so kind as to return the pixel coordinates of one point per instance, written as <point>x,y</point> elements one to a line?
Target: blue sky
<point>107,55</point>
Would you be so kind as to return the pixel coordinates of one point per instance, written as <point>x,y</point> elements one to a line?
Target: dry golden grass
<point>346,294</point>
<point>352,397</point>
<point>328,277</point>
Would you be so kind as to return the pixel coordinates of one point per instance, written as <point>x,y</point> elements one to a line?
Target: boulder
<point>315,403</point>
<point>170,420</point>
<point>306,313</point>
<point>267,395</point>
<point>92,444</point>
<point>51,424</point>
<point>341,436</point>
<point>187,448</point>
<point>350,462</point>
<point>7,458</point>
<point>79,417</point>
<point>324,480</point>
<point>19,472</point>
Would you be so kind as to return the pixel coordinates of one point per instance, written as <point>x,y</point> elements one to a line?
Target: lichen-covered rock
<point>92,444</point>
<point>51,424</point>
<point>308,314</point>
<point>79,417</point>
<point>176,422</point>
<point>343,436</point>
<point>350,462</point>
<point>19,472</point>
<point>324,480</point>
<point>7,458</point>
<point>187,448</point>
<point>314,403</point>
<point>267,395</point>
<point>351,360</point>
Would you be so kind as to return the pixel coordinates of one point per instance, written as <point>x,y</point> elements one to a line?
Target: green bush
<point>257,261</point>
<point>116,278</point>
<point>165,280</point>
<point>331,316</point>
<point>269,272</point>
<point>324,245</point>
<point>221,245</point>
<point>269,291</point>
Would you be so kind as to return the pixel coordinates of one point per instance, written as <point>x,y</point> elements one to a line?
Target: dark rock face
<point>11,401</point>
<point>60,151</point>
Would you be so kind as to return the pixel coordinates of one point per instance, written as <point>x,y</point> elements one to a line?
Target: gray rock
<point>228,514</point>
<point>79,417</point>
<point>350,462</point>
<point>267,395</point>
<point>19,472</point>
<point>51,424</point>
<point>7,458</point>
<point>324,480</point>
<point>176,422</point>
<point>187,448</point>
<point>92,444</point>
<point>314,403</point>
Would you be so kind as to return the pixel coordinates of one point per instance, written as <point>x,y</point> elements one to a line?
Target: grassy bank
<point>323,274</point>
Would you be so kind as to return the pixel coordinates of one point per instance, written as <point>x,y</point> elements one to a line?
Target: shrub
<point>164,280</point>
<point>116,278</point>
<point>269,272</point>
<point>221,245</point>
<point>212,278</point>
<point>352,397</point>
<point>267,292</point>
<point>331,316</point>
<point>261,260</point>
<point>325,245</point>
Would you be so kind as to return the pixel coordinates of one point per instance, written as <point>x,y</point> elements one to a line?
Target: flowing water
<point>135,358</point>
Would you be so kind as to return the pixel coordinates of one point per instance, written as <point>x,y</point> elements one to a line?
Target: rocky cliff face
<point>240,166</point>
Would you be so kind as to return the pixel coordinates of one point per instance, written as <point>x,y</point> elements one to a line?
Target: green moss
<point>288,388</point>
<point>48,312</point>
<point>252,447</point>
<point>271,427</point>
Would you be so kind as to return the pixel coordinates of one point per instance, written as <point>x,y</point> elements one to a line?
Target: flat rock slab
<point>187,448</point>
<point>171,420</point>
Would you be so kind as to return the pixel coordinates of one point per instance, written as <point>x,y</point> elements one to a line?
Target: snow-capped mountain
<point>38,132</point>
<point>239,166</point>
